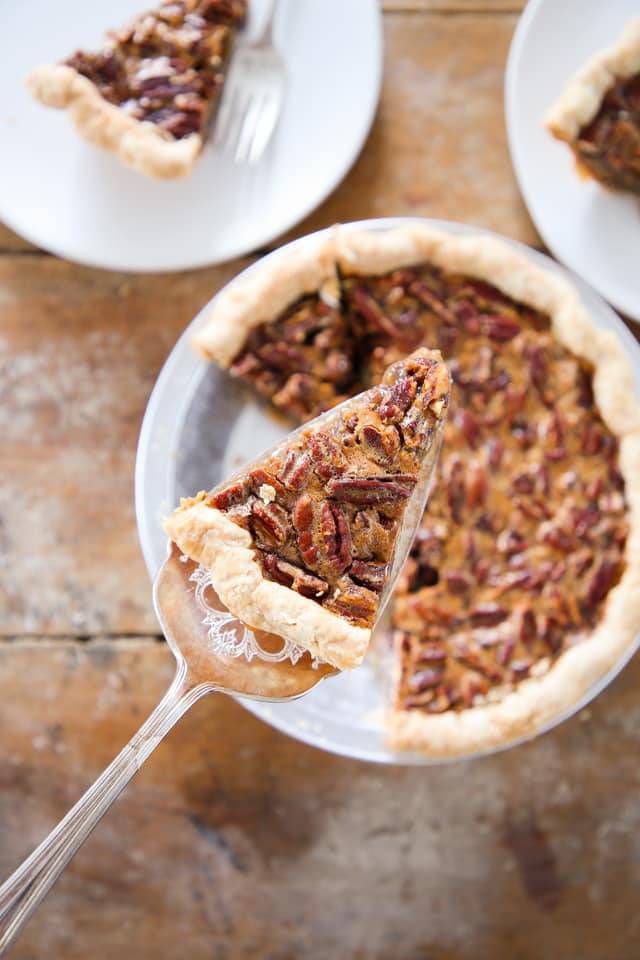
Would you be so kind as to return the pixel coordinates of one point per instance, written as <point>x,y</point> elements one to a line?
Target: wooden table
<point>234,841</point>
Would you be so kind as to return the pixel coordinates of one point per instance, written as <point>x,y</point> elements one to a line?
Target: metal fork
<point>253,96</point>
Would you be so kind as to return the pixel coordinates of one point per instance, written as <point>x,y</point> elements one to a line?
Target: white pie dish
<point>344,715</point>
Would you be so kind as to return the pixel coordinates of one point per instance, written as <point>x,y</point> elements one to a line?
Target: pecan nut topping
<point>167,67</point>
<point>325,509</point>
<point>526,526</point>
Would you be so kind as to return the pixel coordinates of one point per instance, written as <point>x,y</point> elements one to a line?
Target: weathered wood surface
<point>236,842</point>
<point>438,147</point>
<point>79,352</point>
<point>10,241</point>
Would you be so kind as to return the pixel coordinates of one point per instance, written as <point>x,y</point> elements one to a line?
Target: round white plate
<point>199,426</point>
<point>594,232</point>
<point>78,201</point>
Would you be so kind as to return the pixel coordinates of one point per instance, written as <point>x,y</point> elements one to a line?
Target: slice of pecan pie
<point>598,115</point>
<point>302,543</point>
<point>149,94</point>
<point>523,586</point>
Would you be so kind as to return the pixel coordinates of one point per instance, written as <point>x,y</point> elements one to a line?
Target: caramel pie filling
<point>525,530</point>
<point>608,148</point>
<point>324,511</point>
<point>167,67</point>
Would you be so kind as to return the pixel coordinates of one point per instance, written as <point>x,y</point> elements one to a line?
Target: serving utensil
<point>252,97</point>
<point>198,672</point>
<point>215,653</point>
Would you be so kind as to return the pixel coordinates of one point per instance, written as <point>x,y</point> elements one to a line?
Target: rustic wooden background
<point>234,841</point>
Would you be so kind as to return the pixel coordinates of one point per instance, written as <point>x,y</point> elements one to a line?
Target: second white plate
<point>79,202</point>
<point>593,231</point>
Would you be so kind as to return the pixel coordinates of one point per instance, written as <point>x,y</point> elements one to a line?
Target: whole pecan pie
<point>149,94</point>
<point>302,543</point>
<point>523,585</point>
<point>599,114</point>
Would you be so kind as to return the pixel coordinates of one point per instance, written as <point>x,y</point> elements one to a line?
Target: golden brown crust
<point>265,292</point>
<point>489,258</point>
<point>539,700</point>
<point>210,538</point>
<point>585,91</point>
<point>138,144</point>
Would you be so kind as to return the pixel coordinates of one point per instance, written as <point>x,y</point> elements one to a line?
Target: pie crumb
<point>267,493</point>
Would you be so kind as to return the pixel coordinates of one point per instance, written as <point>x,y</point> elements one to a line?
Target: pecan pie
<point>599,115</point>
<point>149,94</point>
<point>303,542</point>
<point>523,585</point>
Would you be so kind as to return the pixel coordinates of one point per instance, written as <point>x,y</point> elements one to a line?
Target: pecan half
<point>291,576</point>
<point>432,652</point>
<point>336,536</point>
<point>380,444</point>
<point>499,327</point>
<point>458,581</point>
<point>327,460</point>
<point>472,685</point>
<point>353,601</point>
<point>259,478</point>
<point>425,679</point>
<point>455,487</point>
<point>295,470</point>
<point>469,426</point>
<point>539,372</point>
<point>488,615</point>
<point>398,401</point>
<point>495,451</point>
<point>270,523</point>
<point>372,575</point>
<point>527,629</point>
<point>227,498</point>
<point>303,521</point>
<point>361,490</point>
<point>605,576</point>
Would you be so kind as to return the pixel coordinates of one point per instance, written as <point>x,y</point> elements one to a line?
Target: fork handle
<point>27,887</point>
<point>265,34</point>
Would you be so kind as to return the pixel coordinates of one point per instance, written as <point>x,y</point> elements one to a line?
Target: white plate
<point>593,231</point>
<point>200,424</point>
<point>80,202</point>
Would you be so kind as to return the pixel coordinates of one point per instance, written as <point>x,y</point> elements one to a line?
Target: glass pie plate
<point>200,425</point>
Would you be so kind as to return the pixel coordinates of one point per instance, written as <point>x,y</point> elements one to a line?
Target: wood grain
<point>235,841</point>
<point>438,146</point>
<point>80,350</point>
<point>10,242</point>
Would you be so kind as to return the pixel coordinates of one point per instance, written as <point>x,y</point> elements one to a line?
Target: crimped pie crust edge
<point>581,99</point>
<point>137,143</point>
<point>538,700</point>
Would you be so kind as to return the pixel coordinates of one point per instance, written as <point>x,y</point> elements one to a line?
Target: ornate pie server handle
<point>27,887</point>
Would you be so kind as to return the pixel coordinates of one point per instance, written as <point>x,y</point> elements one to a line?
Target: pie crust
<point>141,145</point>
<point>582,98</point>
<point>538,700</point>
<point>211,539</point>
<point>266,290</point>
<point>149,93</point>
<point>324,512</point>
